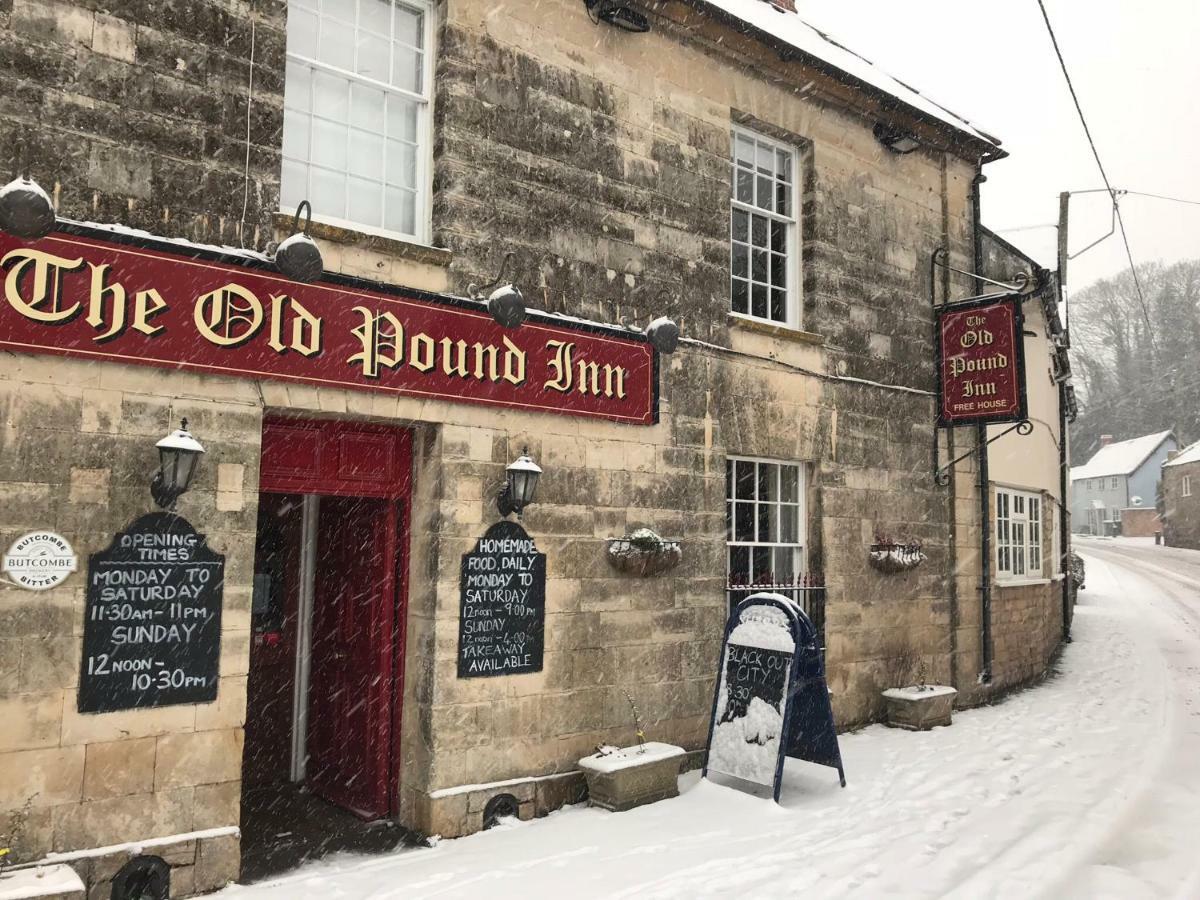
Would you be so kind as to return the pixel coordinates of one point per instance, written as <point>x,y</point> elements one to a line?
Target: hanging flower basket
<point>643,553</point>
<point>890,557</point>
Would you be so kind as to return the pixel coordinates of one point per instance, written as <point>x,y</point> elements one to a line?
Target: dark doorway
<point>324,691</point>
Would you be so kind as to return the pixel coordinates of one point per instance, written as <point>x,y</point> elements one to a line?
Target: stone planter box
<point>633,776</point>
<point>920,708</point>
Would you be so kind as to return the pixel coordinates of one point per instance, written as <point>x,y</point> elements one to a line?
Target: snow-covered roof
<point>1121,458</point>
<point>789,28</point>
<point>1187,455</point>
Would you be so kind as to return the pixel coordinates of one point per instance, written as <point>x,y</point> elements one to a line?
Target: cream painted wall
<point>1031,461</point>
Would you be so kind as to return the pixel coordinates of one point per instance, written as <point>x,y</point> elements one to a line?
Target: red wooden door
<point>362,473</point>
<point>350,693</point>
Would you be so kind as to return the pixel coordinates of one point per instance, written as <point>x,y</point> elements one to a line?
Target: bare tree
<point>1137,366</point>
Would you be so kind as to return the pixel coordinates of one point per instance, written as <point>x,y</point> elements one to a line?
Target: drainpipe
<point>985,499</point>
<point>1064,529</point>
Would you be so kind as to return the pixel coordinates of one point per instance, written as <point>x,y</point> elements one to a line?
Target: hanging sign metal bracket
<point>1016,411</point>
<point>942,475</point>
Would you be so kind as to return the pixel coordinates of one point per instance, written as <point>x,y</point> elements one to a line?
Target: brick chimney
<point>1105,440</point>
<point>785,5</point>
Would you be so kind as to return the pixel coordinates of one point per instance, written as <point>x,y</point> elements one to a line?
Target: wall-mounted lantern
<point>896,138</point>
<point>299,257</point>
<point>505,303</point>
<point>521,479</point>
<point>25,209</point>
<point>663,335</point>
<point>507,306</point>
<point>619,15</point>
<point>178,455</point>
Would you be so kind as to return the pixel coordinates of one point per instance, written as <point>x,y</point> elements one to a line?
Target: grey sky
<point>1136,67</point>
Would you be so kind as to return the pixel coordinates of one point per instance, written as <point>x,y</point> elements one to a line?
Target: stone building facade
<point>1180,524</point>
<point>605,163</point>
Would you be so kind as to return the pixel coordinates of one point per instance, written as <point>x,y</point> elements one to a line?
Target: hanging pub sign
<point>981,362</point>
<point>502,610</point>
<point>152,618</point>
<point>81,293</point>
<point>771,699</point>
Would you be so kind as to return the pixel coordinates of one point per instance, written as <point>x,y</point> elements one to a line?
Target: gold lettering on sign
<point>228,316</point>
<point>514,362</point>
<point>583,376</point>
<point>560,363</point>
<point>147,303</point>
<point>108,307</point>
<point>456,366</point>
<point>102,293</point>
<point>382,339</point>
<point>44,301</point>
<point>420,352</point>
<point>306,328</point>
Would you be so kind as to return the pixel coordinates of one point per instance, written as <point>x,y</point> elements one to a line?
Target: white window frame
<point>1185,486</point>
<point>792,314</point>
<point>422,213</point>
<point>799,546</point>
<point>1019,521</point>
<point>1053,512</point>
<point>1114,483</point>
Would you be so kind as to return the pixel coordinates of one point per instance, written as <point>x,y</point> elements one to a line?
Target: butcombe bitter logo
<point>80,297</point>
<point>39,560</point>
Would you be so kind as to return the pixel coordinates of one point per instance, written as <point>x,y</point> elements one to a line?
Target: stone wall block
<point>202,757</point>
<point>119,768</point>
<point>45,777</point>
<point>32,720</point>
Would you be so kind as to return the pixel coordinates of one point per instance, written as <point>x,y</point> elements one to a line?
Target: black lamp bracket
<point>504,502</point>
<point>477,291</point>
<point>164,497</point>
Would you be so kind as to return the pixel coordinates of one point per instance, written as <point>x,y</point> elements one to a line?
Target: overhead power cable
<point>1137,283</point>
<point>1163,197</point>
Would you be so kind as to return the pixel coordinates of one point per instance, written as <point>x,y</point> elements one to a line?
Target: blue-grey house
<point>1119,476</point>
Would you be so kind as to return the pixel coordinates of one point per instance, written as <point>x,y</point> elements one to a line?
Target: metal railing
<point>808,589</point>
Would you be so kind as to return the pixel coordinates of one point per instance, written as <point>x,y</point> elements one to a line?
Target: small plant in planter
<point>889,556</point>
<point>620,778</point>
<point>920,706</point>
<point>643,552</point>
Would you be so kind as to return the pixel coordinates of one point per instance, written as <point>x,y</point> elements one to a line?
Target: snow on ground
<point>1087,786</point>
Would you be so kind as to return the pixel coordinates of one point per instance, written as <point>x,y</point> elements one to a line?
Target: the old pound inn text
<point>100,300</point>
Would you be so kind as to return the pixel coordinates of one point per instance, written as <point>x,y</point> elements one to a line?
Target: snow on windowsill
<point>1021,582</point>
<point>628,757</point>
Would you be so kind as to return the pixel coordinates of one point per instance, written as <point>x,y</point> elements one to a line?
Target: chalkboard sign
<point>502,605</point>
<point>152,623</point>
<point>752,672</point>
<point>771,700</point>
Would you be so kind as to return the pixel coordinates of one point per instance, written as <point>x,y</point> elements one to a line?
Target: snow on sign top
<point>1120,458</point>
<point>1189,455</point>
<point>791,29</point>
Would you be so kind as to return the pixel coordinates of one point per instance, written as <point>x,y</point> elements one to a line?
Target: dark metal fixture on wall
<point>663,334</point>
<point>619,15</point>
<point>896,139</point>
<point>299,257</point>
<point>25,209</point>
<point>179,453</point>
<point>521,479</point>
<point>505,303</point>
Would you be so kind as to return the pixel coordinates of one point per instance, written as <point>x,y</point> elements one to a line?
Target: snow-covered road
<point>1087,786</point>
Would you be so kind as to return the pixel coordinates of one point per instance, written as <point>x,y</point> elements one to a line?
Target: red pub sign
<point>981,362</point>
<point>78,294</point>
